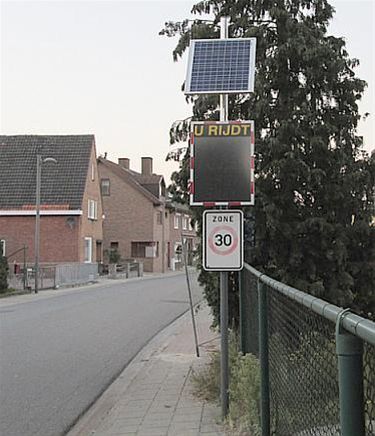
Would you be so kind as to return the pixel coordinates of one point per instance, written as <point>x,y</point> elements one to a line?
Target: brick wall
<point>129,216</point>
<point>91,228</point>
<point>58,237</point>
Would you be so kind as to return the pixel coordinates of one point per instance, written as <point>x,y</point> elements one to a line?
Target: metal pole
<point>24,267</point>
<point>37,220</point>
<point>349,350</point>
<point>163,238</point>
<point>263,358</point>
<point>189,292</point>
<point>224,21</point>
<point>224,385</point>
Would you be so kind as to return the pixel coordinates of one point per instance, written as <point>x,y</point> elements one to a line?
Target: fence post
<point>244,309</point>
<point>349,350</point>
<point>263,357</point>
<point>242,312</point>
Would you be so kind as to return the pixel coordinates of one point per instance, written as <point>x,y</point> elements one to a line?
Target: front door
<point>99,251</point>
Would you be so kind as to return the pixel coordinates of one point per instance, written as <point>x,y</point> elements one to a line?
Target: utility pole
<point>37,220</point>
<point>224,385</point>
<point>184,258</point>
<point>39,162</point>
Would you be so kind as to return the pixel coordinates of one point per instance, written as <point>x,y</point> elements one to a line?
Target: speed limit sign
<point>223,240</point>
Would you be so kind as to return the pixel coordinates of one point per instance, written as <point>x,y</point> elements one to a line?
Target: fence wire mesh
<point>303,365</point>
<point>303,370</point>
<point>369,388</point>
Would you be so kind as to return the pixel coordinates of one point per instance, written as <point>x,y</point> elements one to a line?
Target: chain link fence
<point>303,362</point>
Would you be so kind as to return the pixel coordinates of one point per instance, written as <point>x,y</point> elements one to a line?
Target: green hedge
<point>3,274</point>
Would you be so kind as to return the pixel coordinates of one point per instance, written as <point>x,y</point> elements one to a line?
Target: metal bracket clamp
<point>339,319</point>
<point>346,343</point>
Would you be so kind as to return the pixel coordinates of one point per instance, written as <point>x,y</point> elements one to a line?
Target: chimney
<point>146,166</point>
<point>124,162</point>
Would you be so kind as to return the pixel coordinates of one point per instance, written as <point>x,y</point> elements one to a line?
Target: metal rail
<point>358,326</point>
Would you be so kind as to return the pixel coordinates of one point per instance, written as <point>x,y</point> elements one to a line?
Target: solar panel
<point>221,66</point>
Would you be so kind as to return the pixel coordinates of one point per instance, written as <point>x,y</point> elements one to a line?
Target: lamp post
<point>39,162</point>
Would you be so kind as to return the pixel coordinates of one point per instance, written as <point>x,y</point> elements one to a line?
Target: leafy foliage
<point>244,388</point>
<point>3,274</point>
<point>314,183</point>
<point>114,256</point>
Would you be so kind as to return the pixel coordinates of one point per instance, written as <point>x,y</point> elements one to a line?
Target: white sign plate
<point>223,240</point>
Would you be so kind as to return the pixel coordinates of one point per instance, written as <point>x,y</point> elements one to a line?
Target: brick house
<point>139,222</point>
<point>180,230</point>
<point>71,208</point>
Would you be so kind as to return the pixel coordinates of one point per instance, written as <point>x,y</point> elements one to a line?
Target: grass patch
<point>12,292</point>
<point>244,388</point>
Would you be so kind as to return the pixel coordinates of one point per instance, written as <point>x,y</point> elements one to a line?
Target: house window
<point>104,186</point>
<point>92,172</point>
<point>159,217</point>
<point>190,225</point>
<point>93,210</point>
<point>2,247</point>
<point>145,249</point>
<point>178,251</point>
<point>88,250</point>
<point>185,222</point>
<point>176,220</point>
<point>162,189</point>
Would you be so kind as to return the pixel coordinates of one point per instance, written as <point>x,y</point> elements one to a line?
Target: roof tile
<point>62,185</point>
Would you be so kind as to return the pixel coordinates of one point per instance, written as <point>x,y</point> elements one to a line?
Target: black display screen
<point>222,165</point>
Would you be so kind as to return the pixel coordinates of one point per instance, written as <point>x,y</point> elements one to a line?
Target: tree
<point>3,274</point>
<point>314,183</point>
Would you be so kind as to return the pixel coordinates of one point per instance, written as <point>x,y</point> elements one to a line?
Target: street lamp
<point>39,162</point>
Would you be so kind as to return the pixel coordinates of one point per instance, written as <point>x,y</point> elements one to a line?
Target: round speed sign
<point>223,240</point>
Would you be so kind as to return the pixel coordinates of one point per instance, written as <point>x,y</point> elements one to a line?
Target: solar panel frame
<point>204,64</point>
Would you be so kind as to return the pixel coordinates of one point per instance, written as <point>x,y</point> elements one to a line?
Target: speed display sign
<point>223,240</point>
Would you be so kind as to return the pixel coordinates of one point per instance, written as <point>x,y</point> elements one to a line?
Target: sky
<point>100,67</point>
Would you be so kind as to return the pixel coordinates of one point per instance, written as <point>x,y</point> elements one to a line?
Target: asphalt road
<point>60,350</point>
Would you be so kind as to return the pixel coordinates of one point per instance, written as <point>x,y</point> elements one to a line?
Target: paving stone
<point>182,426</point>
<point>160,414</point>
<point>120,426</point>
<point>153,432</point>
<point>196,417</point>
<point>127,414</point>
<point>173,432</point>
<point>150,422</point>
<point>187,409</point>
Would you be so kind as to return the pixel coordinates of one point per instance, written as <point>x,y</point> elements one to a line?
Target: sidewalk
<point>102,281</point>
<point>153,395</point>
